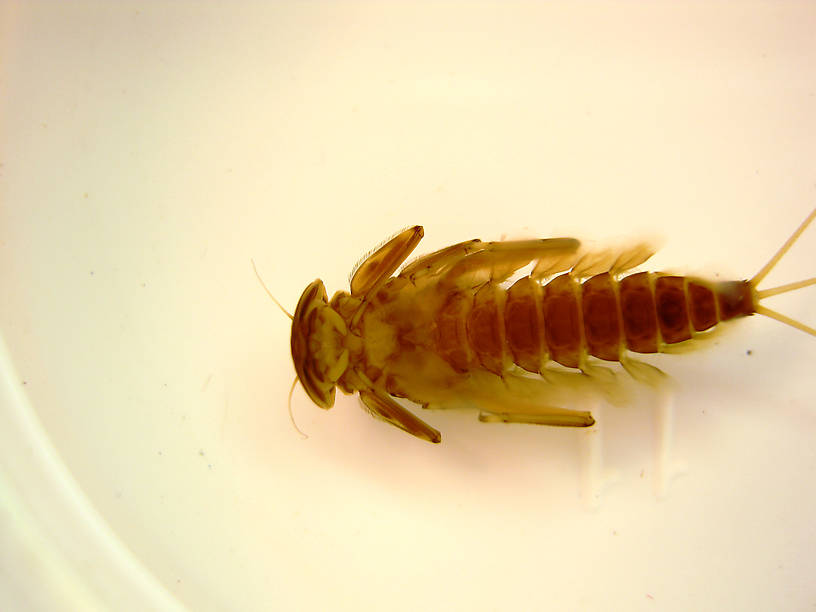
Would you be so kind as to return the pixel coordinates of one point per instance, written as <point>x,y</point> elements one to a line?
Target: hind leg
<point>556,417</point>
<point>497,261</point>
<point>473,262</point>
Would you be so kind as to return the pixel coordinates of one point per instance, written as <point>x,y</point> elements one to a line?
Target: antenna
<point>269,293</point>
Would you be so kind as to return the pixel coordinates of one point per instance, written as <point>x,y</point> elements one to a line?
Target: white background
<point>148,150</point>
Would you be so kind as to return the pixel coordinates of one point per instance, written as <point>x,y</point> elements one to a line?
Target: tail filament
<point>765,293</point>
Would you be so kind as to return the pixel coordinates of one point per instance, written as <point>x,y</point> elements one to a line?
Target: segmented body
<point>451,329</point>
<point>491,328</point>
<point>530,324</point>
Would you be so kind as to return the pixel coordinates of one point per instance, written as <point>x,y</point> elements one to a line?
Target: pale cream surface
<point>148,150</point>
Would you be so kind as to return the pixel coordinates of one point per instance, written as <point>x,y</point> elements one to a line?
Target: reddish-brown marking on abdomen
<point>702,308</point>
<point>485,327</point>
<point>638,313</point>
<point>601,325</point>
<point>672,310</point>
<point>523,324</point>
<point>562,321</point>
<point>451,335</point>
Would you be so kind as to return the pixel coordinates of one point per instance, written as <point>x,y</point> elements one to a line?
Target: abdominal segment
<point>566,320</point>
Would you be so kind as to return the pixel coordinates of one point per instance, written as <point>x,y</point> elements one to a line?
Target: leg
<point>386,409</point>
<point>556,417</point>
<point>473,262</point>
<point>384,261</point>
<point>524,398</point>
<point>497,261</point>
<point>438,261</point>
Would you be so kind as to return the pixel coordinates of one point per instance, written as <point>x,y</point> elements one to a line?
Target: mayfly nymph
<point>447,331</point>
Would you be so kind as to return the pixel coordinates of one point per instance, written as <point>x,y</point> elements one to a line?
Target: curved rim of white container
<point>58,551</point>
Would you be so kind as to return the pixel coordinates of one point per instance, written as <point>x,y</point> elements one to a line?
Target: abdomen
<point>565,321</point>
